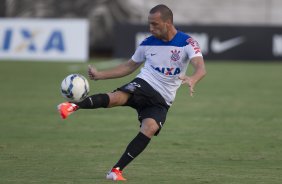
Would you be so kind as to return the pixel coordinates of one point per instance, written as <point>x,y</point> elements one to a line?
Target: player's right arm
<point>119,71</point>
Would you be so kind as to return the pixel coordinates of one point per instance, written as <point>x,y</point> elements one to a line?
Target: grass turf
<point>229,132</point>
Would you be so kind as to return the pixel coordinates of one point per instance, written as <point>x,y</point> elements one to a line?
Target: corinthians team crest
<point>175,55</point>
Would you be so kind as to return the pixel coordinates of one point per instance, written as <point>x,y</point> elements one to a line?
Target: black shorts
<point>147,101</point>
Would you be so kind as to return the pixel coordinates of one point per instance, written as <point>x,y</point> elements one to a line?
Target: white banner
<point>44,39</point>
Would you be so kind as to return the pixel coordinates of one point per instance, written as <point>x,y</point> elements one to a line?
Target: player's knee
<point>117,98</point>
<point>149,127</point>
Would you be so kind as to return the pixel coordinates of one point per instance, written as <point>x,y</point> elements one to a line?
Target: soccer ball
<point>75,88</point>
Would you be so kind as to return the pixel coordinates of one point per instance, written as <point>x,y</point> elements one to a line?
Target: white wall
<point>243,12</point>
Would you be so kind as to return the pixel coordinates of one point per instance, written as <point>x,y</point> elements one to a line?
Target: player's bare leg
<point>118,98</point>
<point>149,127</point>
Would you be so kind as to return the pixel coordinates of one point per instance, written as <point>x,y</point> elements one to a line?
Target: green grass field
<point>230,132</point>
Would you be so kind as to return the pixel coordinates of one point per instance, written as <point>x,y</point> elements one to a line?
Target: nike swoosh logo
<point>130,155</point>
<point>222,46</point>
<point>153,54</point>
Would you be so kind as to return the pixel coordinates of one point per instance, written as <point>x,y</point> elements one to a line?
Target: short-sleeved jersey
<point>165,62</point>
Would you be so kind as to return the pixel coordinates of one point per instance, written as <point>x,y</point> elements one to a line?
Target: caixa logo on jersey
<point>31,41</point>
<point>167,71</point>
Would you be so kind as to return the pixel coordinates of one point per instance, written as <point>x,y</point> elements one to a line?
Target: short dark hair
<point>166,13</point>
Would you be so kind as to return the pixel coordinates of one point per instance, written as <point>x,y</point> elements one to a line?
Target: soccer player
<point>166,55</point>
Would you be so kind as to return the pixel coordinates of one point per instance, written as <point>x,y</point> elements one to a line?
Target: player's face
<point>158,27</point>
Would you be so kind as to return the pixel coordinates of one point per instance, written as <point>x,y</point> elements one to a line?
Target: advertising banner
<point>44,39</point>
<point>216,42</point>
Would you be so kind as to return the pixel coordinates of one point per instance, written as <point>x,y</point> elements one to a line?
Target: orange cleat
<point>115,174</point>
<point>66,108</point>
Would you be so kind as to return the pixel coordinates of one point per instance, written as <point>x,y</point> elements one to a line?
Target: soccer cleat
<point>66,108</point>
<point>115,174</point>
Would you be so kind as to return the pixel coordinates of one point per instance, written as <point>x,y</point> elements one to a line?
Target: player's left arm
<point>199,72</point>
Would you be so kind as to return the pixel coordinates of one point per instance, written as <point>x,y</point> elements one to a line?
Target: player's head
<point>160,20</point>
<point>165,13</point>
